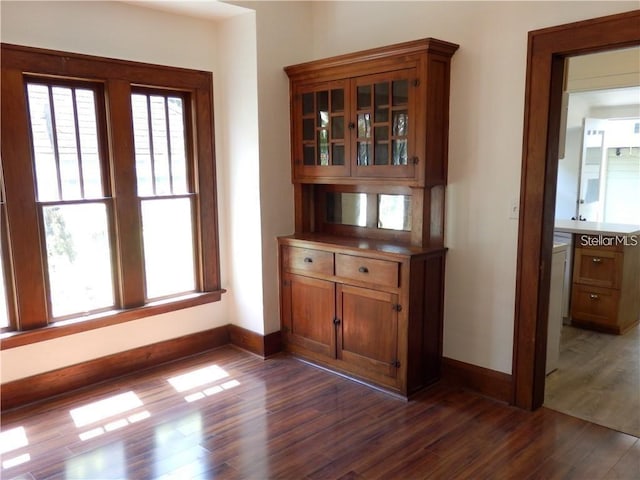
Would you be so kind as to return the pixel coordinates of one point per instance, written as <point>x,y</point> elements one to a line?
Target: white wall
<point>485,154</point>
<point>236,101</point>
<point>116,30</point>
<point>284,37</point>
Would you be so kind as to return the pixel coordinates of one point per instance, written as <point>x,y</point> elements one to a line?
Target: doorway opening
<point>548,49</point>
<point>590,374</point>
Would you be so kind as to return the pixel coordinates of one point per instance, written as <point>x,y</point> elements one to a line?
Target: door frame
<point>546,53</point>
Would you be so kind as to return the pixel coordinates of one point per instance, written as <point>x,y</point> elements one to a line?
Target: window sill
<point>70,327</point>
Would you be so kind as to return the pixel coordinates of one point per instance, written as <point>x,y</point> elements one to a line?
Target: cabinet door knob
<point>593,296</point>
<point>363,270</point>
<point>336,321</point>
<point>596,260</point>
<point>308,260</point>
<point>352,125</point>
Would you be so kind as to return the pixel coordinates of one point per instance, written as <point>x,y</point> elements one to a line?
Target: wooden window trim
<point>118,78</point>
<point>60,329</point>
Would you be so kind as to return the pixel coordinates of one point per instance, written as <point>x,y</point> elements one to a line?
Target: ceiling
<point>610,97</point>
<point>206,9</point>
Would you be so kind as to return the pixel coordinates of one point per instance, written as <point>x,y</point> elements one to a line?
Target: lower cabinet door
<point>368,332</point>
<point>308,313</point>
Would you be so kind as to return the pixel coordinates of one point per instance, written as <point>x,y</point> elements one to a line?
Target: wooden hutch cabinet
<point>362,276</point>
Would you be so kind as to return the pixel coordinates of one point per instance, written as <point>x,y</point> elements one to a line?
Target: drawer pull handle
<point>363,270</point>
<point>593,296</point>
<point>308,260</point>
<point>596,260</point>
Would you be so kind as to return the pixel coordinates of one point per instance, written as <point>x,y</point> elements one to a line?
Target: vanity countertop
<point>595,228</point>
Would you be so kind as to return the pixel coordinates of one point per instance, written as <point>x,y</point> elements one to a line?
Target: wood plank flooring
<point>598,378</point>
<point>230,415</point>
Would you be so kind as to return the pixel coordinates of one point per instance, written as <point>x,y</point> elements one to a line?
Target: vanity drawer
<point>600,268</point>
<point>307,260</point>
<point>370,270</point>
<point>598,305</point>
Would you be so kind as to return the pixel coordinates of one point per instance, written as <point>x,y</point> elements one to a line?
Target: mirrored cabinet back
<point>362,276</point>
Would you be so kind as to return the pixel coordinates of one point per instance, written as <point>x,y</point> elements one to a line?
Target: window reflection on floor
<point>11,442</point>
<point>105,462</point>
<point>125,407</point>
<point>178,453</point>
<point>196,379</point>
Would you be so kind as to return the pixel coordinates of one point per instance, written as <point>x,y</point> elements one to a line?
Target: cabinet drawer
<point>595,304</point>
<point>370,270</point>
<point>600,268</point>
<point>307,260</point>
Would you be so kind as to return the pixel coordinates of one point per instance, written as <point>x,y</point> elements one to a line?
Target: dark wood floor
<point>228,414</point>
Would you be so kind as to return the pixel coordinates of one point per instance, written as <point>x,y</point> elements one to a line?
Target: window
<point>4,308</point>
<point>109,191</point>
<point>165,193</point>
<point>70,196</point>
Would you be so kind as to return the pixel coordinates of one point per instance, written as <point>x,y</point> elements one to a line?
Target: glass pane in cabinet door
<point>322,101</point>
<point>323,147</point>
<point>381,153</point>
<point>399,148</point>
<point>400,123</point>
<point>337,154</point>
<point>337,128</point>
<point>307,104</point>
<point>364,96</point>
<point>382,133</point>
<point>381,94</point>
<point>337,100</point>
<point>309,155</point>
<point>364,153</point>
<point>400,92</point>
<point>308,129</point>
<point>364,125</point>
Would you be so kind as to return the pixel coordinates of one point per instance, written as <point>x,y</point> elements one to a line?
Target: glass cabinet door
<point>384,125</point>
<point>322,130</point>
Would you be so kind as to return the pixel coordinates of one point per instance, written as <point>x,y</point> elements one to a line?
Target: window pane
<point>160,144</point>
<point>65,132</point>
<point>41,116</point>
<point>4,317</point>
<point>78,258</point>
<point>167,233</point>
<point>65,142</point>
<point>142,144</point>
<point>88,130</point>
<point>4,312</point>
<point>178,150</point>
